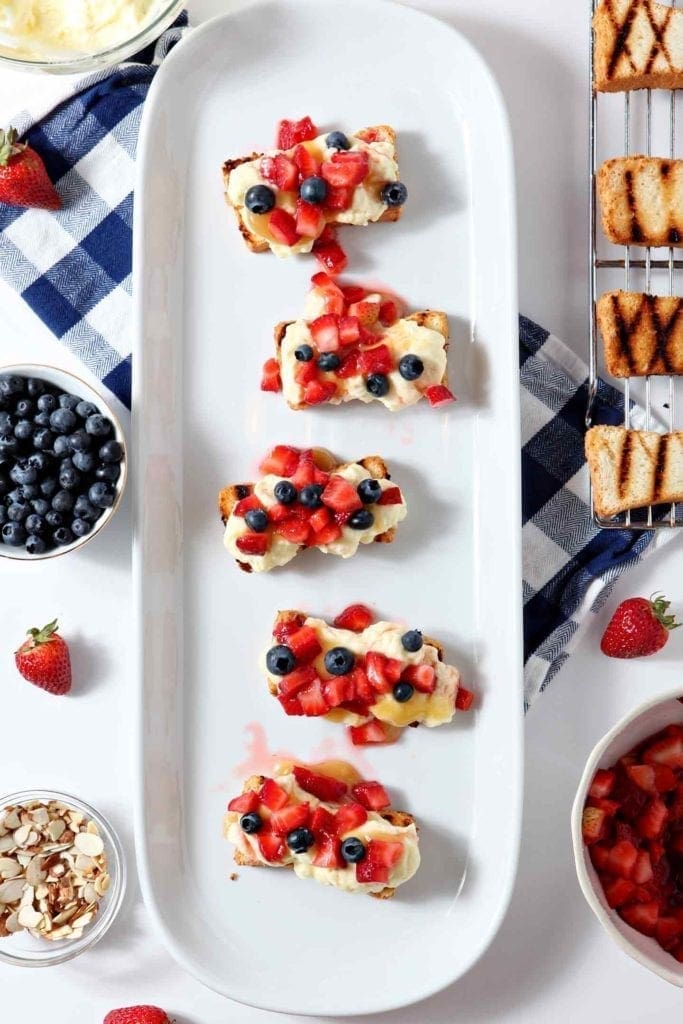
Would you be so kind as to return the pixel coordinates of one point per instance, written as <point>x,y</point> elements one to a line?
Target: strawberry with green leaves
<point>23,178</point>
<point>44,660</point>
<point>638,628</point>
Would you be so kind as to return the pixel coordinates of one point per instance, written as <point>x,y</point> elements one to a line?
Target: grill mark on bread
<point>642,334</point>
<point>622,31</point>
<point>636,230</point>
<point>624,330</point>
<point>663,334</point>
<point>661,460</point>
<point>641,200</point>
<point>625,464</point>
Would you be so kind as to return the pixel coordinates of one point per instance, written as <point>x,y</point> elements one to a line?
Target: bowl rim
<point>100,58</point>
<point>608,918</point>
<point>21,369</point>
<point>117,870</point>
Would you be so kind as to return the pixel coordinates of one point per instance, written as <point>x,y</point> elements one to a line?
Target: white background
<point>550,961</point>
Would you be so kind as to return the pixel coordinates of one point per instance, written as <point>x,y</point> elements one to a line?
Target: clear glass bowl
<point>72,63</point>
<point>22,949</point>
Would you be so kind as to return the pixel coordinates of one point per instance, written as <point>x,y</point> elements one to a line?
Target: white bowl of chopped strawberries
<point>627,830</point>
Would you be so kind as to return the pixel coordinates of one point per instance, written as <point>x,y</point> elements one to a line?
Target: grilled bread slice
<point>642,334</point>
<point>641,198</point>
<point>638,45</point>
<point>633,468</point>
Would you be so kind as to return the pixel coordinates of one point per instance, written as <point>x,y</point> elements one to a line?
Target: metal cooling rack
<point>638,122</point>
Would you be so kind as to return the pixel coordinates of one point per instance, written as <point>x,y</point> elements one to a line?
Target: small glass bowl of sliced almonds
<point>62,878</point>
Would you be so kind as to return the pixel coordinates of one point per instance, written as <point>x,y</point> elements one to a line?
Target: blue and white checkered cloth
<point>73,268</point>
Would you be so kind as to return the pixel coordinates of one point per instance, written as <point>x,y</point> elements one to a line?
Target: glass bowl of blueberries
<point>62,462</point>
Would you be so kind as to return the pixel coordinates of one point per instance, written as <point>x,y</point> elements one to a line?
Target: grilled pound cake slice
<point>638,45</point>
<point>633,468</point>
<point>326,823</point>
<point>641,199</point>
<point>642,334</point>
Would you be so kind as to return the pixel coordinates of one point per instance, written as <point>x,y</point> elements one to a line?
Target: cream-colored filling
<point>281,551</point>
<point>341,878</point>
<point>72,26</point>
<point>403,337</point>
<point>431,709</point>
<point>366,204</point>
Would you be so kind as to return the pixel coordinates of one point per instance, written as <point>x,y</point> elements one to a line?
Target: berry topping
<point>304,353</point>
<point>325,332</point>
<point>411,367</point>
<point>349,817</point>
<point>280,660</point>
<point>412,640</point>
<point>338,198</point>
<point>391,496</point>
<point>352,850</point>
<point>270,378</point>
<point>373,732</point>
<point>285,492</point>
<point>371,795</point>
<point>369,491</point>
<point>337,140</point>
<point>330,255</point>
<point>346,170</point>
<point>340,495</point>
<point>313,189</point>
<point>366,312</point>
<point>295,531</point>
<point>339,661</point>
<point>377,384</point>
<point>388,313</point>
<point>289,817</point>
<point>299,840</point>
<point>289,133</point>
<point>245,505</point>
<point>309,219</point>
<point>328,361</point>
<point>328,854</point>
<point>381,857</point>
<point>281,460</point>
<point>273,796</point>
<point>356,617</point>
<point>322,786</point>
<point>438,395</point>
<point>304,644</point>
<point>311,496</point>
<point>259,199</point>
<point>252,543</point>
<point>403,692</point>
<point>422,677</point>
<point>272,847</point>
<point>318,392</point>
<point>308,164</point>
<point>464,699</point>
<point>257,520</point>
<point>361,519</point>
<point>334,297</point>
<point>245,802</point>
<point>283,227</point>
<point>251,822</point>
<point>394,193</point>
<point>280,171</point>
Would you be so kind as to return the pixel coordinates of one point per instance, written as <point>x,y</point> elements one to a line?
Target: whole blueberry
<point>69,477</point>
<point>47,403</point>
<point>377,384</point>
<point>411,367</point>
<point>24,407</point>
<point>403,692</point>
<point>40,461</point>
<point>8,443</point>
<point>10,384</point>
<point>256,519</point>
<point>48,486</point>
<point>16,495</point>
<point>43,439</point>
<point>80,527</point>
<point>328,361</point>
<point>84,509</point>
<point>80,441</point>
<point>300,839</point>
<point>412,640</point>
<point>313,189</point>
<point>394,193</point>
<point>6,422</point>
<point>84,461</point>
<point>40,506</point>
<point>18,511</point>
<point>361,519</point>
<point>35,545</point>
<point>35,523</point>
<point>35,387</point>
<point>54,518</point>
<point>102,494</point>
<point>29,491</point>
<point>63,501</point>
<point>67,401</point>
<point>23,473</point>
<point>310,496</point>
<point>23,431</point>
<point>63,420</point>
<point>85,409</point>
<point>13,534</point>
<point>62,536</point>
<point>42,419</point>
<point>98,425</point>
<point>110,471</point>
<point>62,445</point>
<point>339,661</point>
<point>304,353</point>
<point>259,199</point>
<point>251,822</point>
<point>352,850</point>
<point>280,660</point>
<point>111,451</point>
<point>337,140</point>
<point>369,491</point>
<point>285,492</point>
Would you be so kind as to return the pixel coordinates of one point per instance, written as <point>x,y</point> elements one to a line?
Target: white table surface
<point>550,961</point>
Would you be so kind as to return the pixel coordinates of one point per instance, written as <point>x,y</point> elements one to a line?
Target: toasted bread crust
<point>638,45</point>
<point>633,468</point>
<point>641,199</point>
<point>642,334</point>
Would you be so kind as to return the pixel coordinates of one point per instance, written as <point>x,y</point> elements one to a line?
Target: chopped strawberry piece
<point>599,854</point>
<point>334,298</point>
<point>321,477</point>
<point>278,513</point>
<point>294,530</point>
<point>464,699</point>
<point>337,690</point>
<point>279,170</point>
<point>592,825</point>
<point>282,227</point>
<point>319,391</point>
<point>245,505</point>
<point>610,807</point>
<point>328,852</point>
<point>346,169</point>
<point>367,134</point>
<point>245,802</point>
<point>328,535</point>
<point>305,645</point>
<point>340,495</point>
<point>320,518</point>
<point>393,670</point>
<point>339,198</point>
<point>273,796</point>
<point>375,667</point>
<point>253,543</point>
<point>306,162</point>
<point>272,847</point>
<point>349,330</point>
<point>438,395</point>
<point>619,891</point>
<point>603,783</point>
<point>349,365</point>
<point>305,471</point>
<point>391,496</point>
<point>290,705</point>
<point>349,817</point>
<point>289,133</point>
<point>665,778</point>
<point>653,819</point>
<point>281,460</point>
<point>622,859</point>
<point>373,732</point>
<point>312,700</point>
<point>325,332</point>
<point>356,617</point>
<point>306,373</point>
<point>385,852</point>
<point>641,916</point>
<point>323,821</point>
<point>668,751</point>
<point>323,786</point>
<point>423,677</point>
<point>368,871</point>
<point>353,292</point>
<point>642,872</point>
<point>388,313</point>
<point>367,313</point>
<point>270,379</point>
<point>371,795</point>
<point>309,219</point>
<point>668,931</point>
<point>361,686</point>
<point>290,817</point>
<point>297,680</point>
<point>379,359</point>
<point>330,255</point>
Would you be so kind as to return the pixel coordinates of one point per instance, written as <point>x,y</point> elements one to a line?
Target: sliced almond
<point>30,918</point>
<point>88,843</point>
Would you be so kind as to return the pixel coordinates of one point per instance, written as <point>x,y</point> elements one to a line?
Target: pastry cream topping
<point>34,27</point>
<point>341,878</point>
<point>281,551</point>
<point>366,205</point>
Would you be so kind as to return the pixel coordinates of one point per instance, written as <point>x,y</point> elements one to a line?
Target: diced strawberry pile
<point>633,826</point>
<point>281,814</point>
<point>297,523</point>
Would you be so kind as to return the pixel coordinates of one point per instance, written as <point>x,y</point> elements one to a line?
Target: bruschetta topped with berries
<point>307,499</point>
<point>377,678</point>
<point>358,344</point>
<point>328,824</point>
<point>288,198</point>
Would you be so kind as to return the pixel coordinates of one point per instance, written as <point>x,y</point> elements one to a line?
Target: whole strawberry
<point>137,1015</point>
<point>23,178</point>
<point>44,660</point>
<point>638,627</point>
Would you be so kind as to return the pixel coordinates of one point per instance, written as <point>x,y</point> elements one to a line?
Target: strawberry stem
<point>44,635</point>
<point>9,146</point>
<point>660,606</point>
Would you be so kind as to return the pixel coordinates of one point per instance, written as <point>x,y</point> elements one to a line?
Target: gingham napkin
<point>73,269</point>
